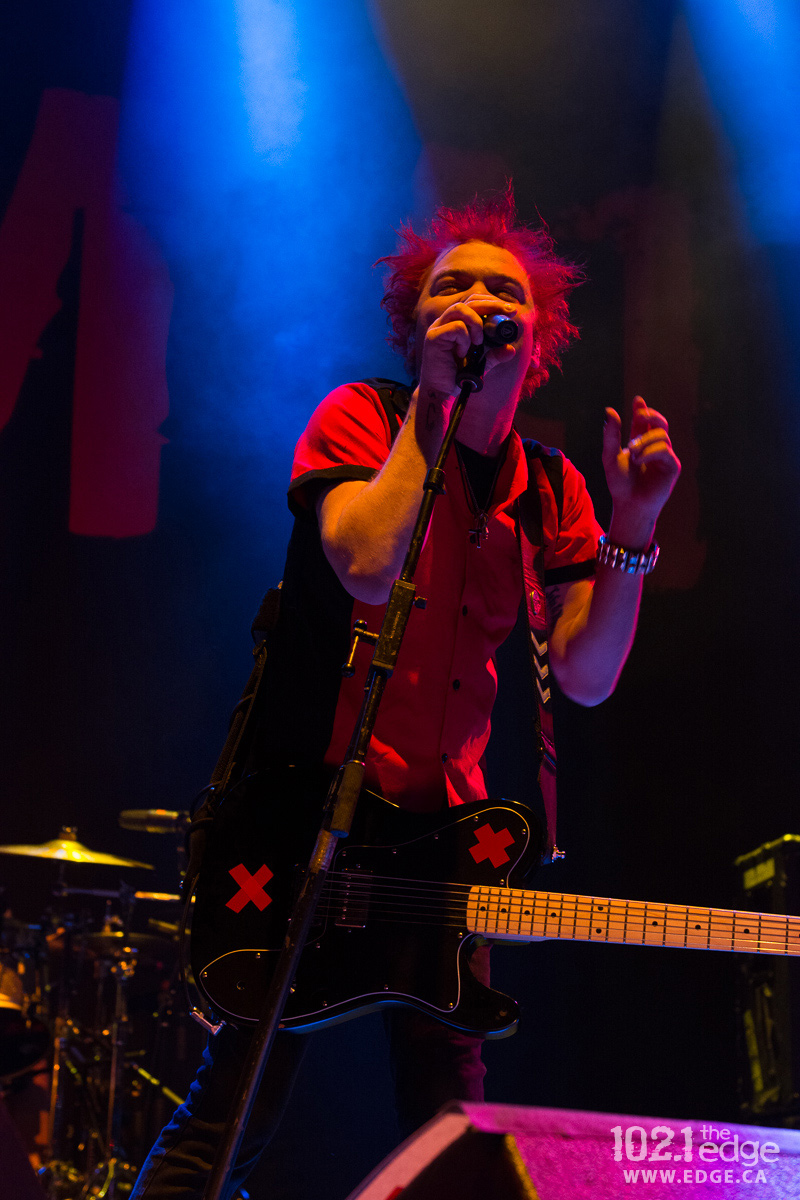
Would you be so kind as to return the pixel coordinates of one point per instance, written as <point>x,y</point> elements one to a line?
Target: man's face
<point>475,269</point>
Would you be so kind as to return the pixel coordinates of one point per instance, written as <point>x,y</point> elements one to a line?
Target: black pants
<point>431,1064</point>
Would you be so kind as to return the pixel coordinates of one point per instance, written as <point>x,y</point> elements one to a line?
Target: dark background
<point>124,646</point>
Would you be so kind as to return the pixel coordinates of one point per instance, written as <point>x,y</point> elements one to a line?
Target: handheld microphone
<point>499,331</point>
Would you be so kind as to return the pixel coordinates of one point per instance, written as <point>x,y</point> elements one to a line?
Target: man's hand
<point>449,338</point>
<point>594,626</point>
<point>642,474</point>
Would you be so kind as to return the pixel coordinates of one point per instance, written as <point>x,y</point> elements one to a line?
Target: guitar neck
<point>518,915</point>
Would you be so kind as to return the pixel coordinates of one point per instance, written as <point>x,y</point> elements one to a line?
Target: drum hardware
<point>154,820</point>
<point>96,1080</point>
<point>105,1179</point>
<point>24,1040</point>
<point>91,1074</point>
<point>157,1084</point>
<point>67,848</point>
<point>117,953</point>
<point>124,964</point>
<point>60,1028</point>
<point>167,929</point>
<point>17,935</point>
<point>61,1179</point>
<point>160,820</point>
<point>116,944</point>
<point>96,1060</point>
<point>123,893</point>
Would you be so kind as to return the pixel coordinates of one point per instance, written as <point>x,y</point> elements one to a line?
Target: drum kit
<point>89,1008</point>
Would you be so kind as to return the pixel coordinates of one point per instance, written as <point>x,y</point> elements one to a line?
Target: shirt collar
<point>513,478</point>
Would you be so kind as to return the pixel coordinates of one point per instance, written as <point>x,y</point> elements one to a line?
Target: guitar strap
<point>240,731</point>
<point>530,536</point>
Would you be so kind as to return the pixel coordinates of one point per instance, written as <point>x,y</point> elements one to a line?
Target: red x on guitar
<point>250,888</point>
<point>491,845</point>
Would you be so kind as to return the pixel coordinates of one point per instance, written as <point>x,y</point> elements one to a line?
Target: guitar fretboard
<point>518,915</point>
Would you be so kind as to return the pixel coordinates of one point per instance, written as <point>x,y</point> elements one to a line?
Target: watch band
<point>632,562</point>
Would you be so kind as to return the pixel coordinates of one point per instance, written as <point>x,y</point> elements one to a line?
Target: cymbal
<point>67,848</point>
<point>115,942</point>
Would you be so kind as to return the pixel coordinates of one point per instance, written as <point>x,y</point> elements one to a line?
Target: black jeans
<point>431,1064</point>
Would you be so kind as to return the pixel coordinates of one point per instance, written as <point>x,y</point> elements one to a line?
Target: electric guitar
<point>407,897</point>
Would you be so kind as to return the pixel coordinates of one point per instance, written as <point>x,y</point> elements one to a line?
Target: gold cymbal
<point>115,942</point>
<point>67,848</point>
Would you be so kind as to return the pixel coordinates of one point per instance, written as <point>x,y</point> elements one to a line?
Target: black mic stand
<point>340,804</point>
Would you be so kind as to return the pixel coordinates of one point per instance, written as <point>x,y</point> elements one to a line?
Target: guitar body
<point>387,931</point>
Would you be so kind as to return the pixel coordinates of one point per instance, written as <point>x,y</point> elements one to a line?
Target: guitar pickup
<point>352,897</point>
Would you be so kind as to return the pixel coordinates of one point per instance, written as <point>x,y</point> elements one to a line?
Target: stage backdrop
<point>192,198</point>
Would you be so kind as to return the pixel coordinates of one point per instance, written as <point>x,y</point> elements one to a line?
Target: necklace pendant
<point>480,531</point>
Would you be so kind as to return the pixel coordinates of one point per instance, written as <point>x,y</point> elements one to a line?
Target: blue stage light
<point>272,87</point>
<point>748,50</point>
<point>270,149</point>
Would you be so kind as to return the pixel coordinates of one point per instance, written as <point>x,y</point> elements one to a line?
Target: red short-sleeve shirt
<point>434,720</point>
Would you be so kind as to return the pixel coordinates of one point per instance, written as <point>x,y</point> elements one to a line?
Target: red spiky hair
<point>493,220</point>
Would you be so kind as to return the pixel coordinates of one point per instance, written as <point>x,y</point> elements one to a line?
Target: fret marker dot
<point>654,922</point>
<point>483,908</point>
<point>697,926</point>
<point>747,930</point>
<point>597,931</point>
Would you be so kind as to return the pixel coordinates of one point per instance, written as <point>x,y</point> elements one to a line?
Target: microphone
<point>153,820</point>
<point>499,331</point>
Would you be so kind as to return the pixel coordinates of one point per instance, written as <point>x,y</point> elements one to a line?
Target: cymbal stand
<point>122,971</point>
<point>113,1167</point>
<point>56,1118</point>
<point>59,1177</point>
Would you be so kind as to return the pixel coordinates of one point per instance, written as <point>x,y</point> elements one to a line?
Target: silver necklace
<point>481,515</point>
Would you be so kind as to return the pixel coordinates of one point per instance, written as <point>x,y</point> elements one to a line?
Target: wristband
<point>632,562</point>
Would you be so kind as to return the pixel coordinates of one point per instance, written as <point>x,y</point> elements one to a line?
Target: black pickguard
<point>390,926</point>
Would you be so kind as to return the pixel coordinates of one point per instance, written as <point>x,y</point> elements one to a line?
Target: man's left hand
<point>642,474</point>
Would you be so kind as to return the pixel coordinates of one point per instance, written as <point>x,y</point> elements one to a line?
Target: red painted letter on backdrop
<point>120,388</point>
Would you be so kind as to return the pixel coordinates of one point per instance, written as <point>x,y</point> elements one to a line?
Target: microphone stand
<point>342,798</point>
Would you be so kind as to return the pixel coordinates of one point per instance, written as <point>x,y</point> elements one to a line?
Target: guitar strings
<point>744,945</point>
<point>347,881</point>
<point>770,923</point>
<point>619,936</point>
<point>344,883</point>
<point>427,884</point>
<point>356,896</point>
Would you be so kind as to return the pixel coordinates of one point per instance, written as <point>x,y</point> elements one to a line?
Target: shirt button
<point>456,684</point>
<point>444,758</point>
<point>464,611</point>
